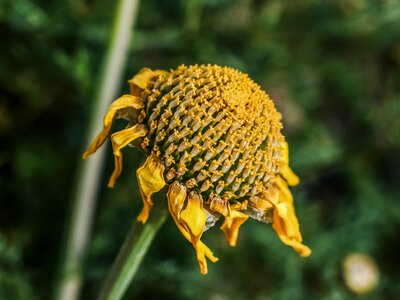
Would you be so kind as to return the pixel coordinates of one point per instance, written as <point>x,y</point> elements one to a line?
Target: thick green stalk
<point>78,231</point>
<point>132,253</point>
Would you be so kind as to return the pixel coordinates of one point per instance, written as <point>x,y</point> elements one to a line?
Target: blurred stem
<point>132,253</point>
<point>79,229</point>
<point>193,14</point>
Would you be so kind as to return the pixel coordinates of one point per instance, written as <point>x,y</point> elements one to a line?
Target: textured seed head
<point>214,137</point>
<point>214,127</point>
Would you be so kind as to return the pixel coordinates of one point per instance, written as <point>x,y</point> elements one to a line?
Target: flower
<point>214,137</point>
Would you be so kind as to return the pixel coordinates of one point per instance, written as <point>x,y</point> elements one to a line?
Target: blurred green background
<point>333,69</point>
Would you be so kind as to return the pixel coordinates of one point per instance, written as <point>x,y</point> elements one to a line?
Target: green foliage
<point>333,68</point>
<point>13,281</point>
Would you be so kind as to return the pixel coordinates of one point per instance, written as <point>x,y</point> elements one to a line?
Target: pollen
<point>213,136</point>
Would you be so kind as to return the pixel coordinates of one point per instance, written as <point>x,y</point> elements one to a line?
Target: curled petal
<point>287,227</point>
<point>231,226</point>
<point>190,221</point>
<point>285,221</point>
<point>176,199</point>
<point>151,180</point>
<point>284,192</point>
<point>193,217</point>
<point>202,251</point>
<point>141,79</point>
<point>126,101</point>
<point>291,178</point>
<point>119,140</point>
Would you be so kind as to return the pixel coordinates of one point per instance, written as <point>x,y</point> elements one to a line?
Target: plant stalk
<point>132,253</point>
<point>80,223</point>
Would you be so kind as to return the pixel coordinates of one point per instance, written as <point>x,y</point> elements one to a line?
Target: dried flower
<point>214,137</point>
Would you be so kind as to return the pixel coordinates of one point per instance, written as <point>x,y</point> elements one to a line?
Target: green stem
<point>81,219</point>
<point>132,253</point>
<point>193,14</point>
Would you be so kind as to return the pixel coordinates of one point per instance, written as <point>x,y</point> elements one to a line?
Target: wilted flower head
<point>214,137</point>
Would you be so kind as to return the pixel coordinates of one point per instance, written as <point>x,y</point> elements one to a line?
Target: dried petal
<point>119,140</point>
<point>190,221</point>
<point>286,225</point>
<point>126,101</point>
<point>150,179</point>
<point>142,79</point>
<point>231,226</point>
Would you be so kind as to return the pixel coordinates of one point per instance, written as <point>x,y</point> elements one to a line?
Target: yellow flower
<point>214,137</point>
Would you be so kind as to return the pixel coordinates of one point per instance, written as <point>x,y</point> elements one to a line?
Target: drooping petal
<point>187,211</point>
<point>151,180</point>
<point>189,228</point>
<point>125,101</point>
<point>284,193</point>
<point>141,79</point>
<point>176,199</point>
<point>285,221</point>
<point>203,252</point>
<point>287,227</point>
<point>231,226</point>
<point>193,217</point>
<point>119,140</point>
<point>291,178</point>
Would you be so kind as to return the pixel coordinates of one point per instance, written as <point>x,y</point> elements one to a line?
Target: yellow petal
<point>231,226</point>
<point>141,79</point>
<point>119,140</point>
<point>176,198</point>
<point>284,192</point>
<point>193,217</point>
<point>202,251</point>
<point>291,178</point>
<point>289,175</point>
<point>286,225</point>
<point>176,201</point>
<point>151,180</point>
<point>121,103</point>
<point>285,221</point>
